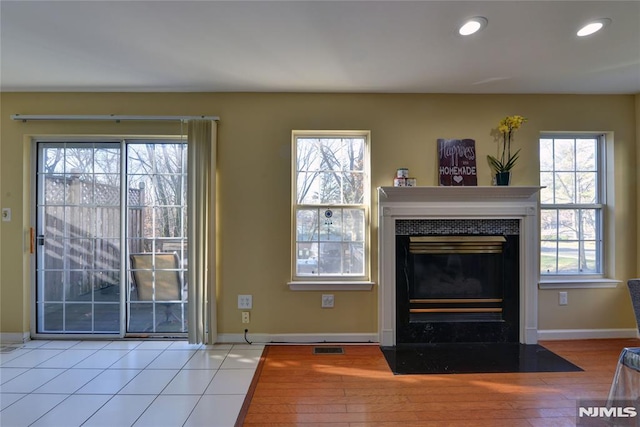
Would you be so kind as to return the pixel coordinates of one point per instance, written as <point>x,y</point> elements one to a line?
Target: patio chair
<point>159,283</point>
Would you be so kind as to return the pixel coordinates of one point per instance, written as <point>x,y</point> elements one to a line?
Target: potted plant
<point>503,165</point>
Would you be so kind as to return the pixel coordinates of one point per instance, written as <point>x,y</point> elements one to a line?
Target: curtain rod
<point>109,117</point>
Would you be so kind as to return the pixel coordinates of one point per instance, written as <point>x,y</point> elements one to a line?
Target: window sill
<point>334,285</point>
<point>577,283</point>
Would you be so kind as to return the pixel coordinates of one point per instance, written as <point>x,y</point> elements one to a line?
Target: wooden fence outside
<point>82,234</point>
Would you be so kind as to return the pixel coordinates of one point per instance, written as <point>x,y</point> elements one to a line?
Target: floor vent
<point>328,350</point>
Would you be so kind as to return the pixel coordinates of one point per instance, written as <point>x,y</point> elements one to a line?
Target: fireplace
<point>458,264</point>
<point>456,288</point>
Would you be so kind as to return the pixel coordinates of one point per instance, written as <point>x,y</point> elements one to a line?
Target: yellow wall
<point>254,184</point>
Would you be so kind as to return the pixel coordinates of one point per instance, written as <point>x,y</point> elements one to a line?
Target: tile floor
<point>124,383</point>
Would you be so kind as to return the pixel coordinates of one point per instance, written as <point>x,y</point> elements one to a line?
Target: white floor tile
<point>7,374</point>
<point>149,381</point>
<point>136,359</point>
<point>154,345</point>
<point>73,411</point>
<point>6,357</point>
<point>231,381</point>
<point>59,345</point>
<point>28,409</point>
<point>174,359</point>
<point>218,347</point>
<point>35,343</point>
<point>31,359</point>
<point>183,345</point>
<point>241,359</point>
<point>248,347</point>
<point>168,411</point>
<point>67,359</point>
<point>190,381</point>
<point>7,399</point>
<point>30,380</point>
<point>69,381</point>
<point>206,359</point>
<point>125,382</point>
<point>88,345</point>
<point>120,411</point>
<point>216,411</point>
<point>122,345</point>
<point>102,359</point>
<point>110,381</point>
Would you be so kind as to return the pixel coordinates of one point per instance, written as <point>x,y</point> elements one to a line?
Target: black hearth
<point>457,288</point>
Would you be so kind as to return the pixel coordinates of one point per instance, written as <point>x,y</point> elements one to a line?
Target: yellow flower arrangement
<point>507,128</point>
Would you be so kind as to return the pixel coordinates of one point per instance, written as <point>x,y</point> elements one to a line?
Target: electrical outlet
<point>563,298</point>
<point>327,301</point>
<point>245,317</point>
<point>245,302</point>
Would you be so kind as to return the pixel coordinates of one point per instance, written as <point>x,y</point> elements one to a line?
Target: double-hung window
<point>330,200</point>
<point>572,206</point>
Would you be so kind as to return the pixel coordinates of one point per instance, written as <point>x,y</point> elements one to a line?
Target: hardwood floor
<point>293,387</point>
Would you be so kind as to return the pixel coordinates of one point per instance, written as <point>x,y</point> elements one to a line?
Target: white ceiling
<point>318,46</point>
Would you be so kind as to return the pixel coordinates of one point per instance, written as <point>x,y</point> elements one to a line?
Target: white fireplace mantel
<point>462,194</point>
<point>499,202</point>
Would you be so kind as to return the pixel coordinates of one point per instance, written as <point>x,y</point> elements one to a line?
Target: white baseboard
<point>585,334</point>
<point>298,338</point>
<point>543,335</point>
<point>14,337</point>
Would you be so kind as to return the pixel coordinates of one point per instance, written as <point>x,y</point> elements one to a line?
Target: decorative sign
<point>457,162</point>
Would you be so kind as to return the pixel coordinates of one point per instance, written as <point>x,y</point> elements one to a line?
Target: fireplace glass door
<point>457,288</point>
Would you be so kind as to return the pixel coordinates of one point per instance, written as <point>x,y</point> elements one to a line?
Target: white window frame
<point>311,283</point>
<point>605,227</point>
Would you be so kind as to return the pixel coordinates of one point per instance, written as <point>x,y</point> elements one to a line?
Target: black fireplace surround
<point>448,293</point>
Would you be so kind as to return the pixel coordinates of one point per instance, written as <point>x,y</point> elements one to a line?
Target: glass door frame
<point>164,237</point>
<point>36,221</point>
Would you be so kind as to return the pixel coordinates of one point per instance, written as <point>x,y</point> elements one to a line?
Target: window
<point>330,206</point>
<point>572,205</point>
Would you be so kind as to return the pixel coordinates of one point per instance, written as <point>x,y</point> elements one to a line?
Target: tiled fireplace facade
<point>413,227</point>
<point>458,264</point>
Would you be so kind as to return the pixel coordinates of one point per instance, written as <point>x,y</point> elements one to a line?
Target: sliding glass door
<point>110,237</point>
<point>156,237</point>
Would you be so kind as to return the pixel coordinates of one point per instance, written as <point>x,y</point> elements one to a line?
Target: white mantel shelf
<point>433,194</point>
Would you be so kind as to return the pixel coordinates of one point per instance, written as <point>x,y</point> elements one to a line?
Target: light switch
<point>6,214</point>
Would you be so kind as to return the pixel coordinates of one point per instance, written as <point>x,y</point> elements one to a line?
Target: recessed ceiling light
<point>473,25</point>
<point>592,27</point>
